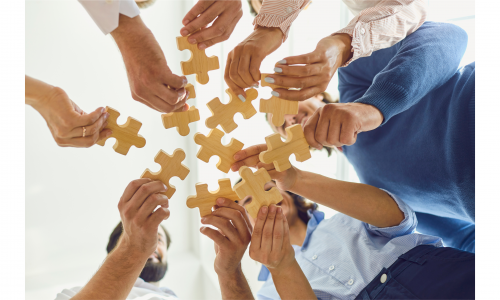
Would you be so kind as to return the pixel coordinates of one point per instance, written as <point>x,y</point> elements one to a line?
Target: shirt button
<point>350,282</point>
<point>362,31</point>
<point>314,257</point>
<point>289,10</point>
<point>383,278</point>
<point>331,268</point>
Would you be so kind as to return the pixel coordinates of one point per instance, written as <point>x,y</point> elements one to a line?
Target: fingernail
<point>109,134</point>
<point>278,210</point>
<point>184,32</point>
<point>165,209</point>
<point>282,62</point>
<point>264,209</point>
<point>277,70</point>
<point>184,81</point>
<point>269,79</point>
<point>242,98</point>
<point>272,208</point>
<point>203,220</point>
<point>255,86</point>
<point>106,116</point>
<point>103,110</point>
<point>236,157</point>
<point>164,187</point>
<point>192,41</point>
<point>220,201</point>
<point>202,46</point>
<point>275,94</point>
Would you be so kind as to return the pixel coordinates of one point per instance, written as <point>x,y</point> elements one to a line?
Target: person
<point>137,248</point>
<point>376,25</point>
<point>369,248</point>
<point>69,125</point>
<point>406,124</point>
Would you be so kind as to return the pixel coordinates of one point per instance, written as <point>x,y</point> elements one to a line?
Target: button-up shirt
<point>341,255</point>
<point>106,13</point>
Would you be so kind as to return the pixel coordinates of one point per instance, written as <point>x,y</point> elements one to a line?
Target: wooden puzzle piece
<point>223,114</point>
<point>199,63</point>
<point>205,199</point>
<point>126,135</point>
<point>181,120</point>
<point>275,106</point>
<point>279,151</point>
<point>212,145</point>
<point>171,166</point>
<point>252,184</point>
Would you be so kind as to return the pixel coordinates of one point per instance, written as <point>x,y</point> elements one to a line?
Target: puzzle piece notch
<point>199,63</point>
<point>275,106</point>
<point>212,145</point>
<point>205,200</point>
<point>181,120</point>
<point>171,166</point>
<point>252,184</point>
<point>126,135</point>
<point>278,152</point>
<point>223,114</point>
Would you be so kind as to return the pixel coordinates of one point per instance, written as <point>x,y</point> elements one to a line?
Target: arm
<point>116,277</point>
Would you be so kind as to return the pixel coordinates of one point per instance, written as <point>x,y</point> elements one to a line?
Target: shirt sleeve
<point>106,13</point>
<point>383,25</point>
<point>407,226</point>
<point>279,13</point>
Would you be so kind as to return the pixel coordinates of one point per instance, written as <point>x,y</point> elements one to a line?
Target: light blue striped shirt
<point>341,255</point>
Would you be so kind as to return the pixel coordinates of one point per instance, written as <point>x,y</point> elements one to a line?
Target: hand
<point>270,243</point>
<point>250,157</point>
<point>151,80</point>
<point>226,15</point>
<point>316,70</point>
<point>232,238</point>
<point>66,120</point>
<point>338,124</point>
<point>139,218</point>
<point>243,62</point>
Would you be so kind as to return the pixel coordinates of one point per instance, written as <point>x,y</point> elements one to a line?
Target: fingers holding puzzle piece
<point>199,63</point>
<point>205,199</point>
<point>277,107</point>
<point>212,145</point>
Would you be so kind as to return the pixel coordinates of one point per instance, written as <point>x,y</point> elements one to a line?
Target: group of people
<point>404,120</point>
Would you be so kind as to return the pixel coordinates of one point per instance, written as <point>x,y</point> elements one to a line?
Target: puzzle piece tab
<point>205,199</point>
<point>171,166</point>
<point>275,106</point>
<point>199,63</point>
<point>253,185</point>
<point>181,120</point>
<point>212,145</point>
<point>279,151</point>
<point>126,135</point>
<point>223,114</point>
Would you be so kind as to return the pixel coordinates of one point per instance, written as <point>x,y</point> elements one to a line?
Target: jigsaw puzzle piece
<point>212,145</point>
<point>126,135</point>
<point>199,63</point>
<point>181,120</point>
<point>171,166</point>
<point>275,106</point>
<point>205,199</point>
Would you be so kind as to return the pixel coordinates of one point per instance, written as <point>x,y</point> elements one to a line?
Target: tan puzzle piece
<point>223,114</point>
<point>199,63</point>
<point>126,135</point>
<point>181,120</point>
<point>205,199</point>
<point>212,145</point>
<point>275,106</point>
<point>171,166</point>
<point>253,185</point>
<point>278,151</point>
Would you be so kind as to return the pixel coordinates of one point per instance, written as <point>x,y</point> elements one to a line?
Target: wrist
<point>36,92</point>
<point>372,117</point>
<point>229,275</point>
<point>285,268</point>
<point>296,179</point>
<point>343,43</point>
<point>125,246</point>
<point>129,31</point>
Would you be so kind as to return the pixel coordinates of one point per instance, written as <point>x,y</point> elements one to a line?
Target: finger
<point>232,204</point>
<point>249,162</point>
<point>278,231</point>
<point>173,81</point>
<point>299,71</point>
<point>255,62</point>
<point>169,95</point>
<point>294,82</point>
<point>256,240</point>
<point>90,129</point>
<point>144,192</point>
<point>157,217</point>
<point>323,129</point>
<point>193,14</point>
<point>333,135</point>
<point>286,232</point>
<point>236,213</point>
<point>223,225</point>
<point>84,142</point>
<point>89,119</point>
<point>304,59</point>
<point>221,38</point>
<point>310,129</point>
<point>132,188</point>
<point>215,236</point>
<point>218,28</point>
<point>347,134</point>
<point>244,71</point>
<point>232,85</point>
<point>149,206</point>
<point>250,151</point>
<point>267,231</point>
<point>301,95</point>
<point>233,68</point>
<point>139,99</point>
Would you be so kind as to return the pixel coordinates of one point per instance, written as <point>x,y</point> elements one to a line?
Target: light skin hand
<point>243,62</point>
<point>226,15</point>
<point>64,118</point>
<point>338,124</point>
<point>151,80</point>
<point>311,72</point>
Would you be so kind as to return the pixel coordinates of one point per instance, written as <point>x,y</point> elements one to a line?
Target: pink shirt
<point>378,24</point>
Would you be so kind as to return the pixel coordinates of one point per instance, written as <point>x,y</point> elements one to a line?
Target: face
<point>156,265</point>
<point>287,205</point>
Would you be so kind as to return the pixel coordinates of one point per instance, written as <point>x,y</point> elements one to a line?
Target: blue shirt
<point>341,255</point>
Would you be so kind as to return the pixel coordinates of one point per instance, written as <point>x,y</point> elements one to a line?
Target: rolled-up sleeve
<point>383,25</point>
<point>407,226</point>
<point>106,13</point>
<point>279,13</point>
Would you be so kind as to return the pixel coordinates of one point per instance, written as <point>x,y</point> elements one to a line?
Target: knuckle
<point>221,29</point>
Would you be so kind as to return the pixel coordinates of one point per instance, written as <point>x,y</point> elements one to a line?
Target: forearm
<point>235,286</point>
<point>115,278</point>
<point>360,201</point>
<point>131,33</point>
<point>291,283</point>
<point>35,90</point>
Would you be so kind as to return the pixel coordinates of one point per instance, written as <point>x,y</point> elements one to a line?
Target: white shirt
<point>141,291</point>
<point>105,13</point>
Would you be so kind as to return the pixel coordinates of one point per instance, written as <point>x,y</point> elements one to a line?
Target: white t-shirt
<point>141,291</point>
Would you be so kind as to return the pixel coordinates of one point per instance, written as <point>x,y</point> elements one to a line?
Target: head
<point>306,110</point>
<point>156,265</point>
<point>255,6</point>
<point>294,207</point>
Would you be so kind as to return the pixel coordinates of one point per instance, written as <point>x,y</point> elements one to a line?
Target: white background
<point>72,194</point>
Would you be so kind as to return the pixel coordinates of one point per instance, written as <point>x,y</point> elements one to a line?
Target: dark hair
<point>117,232</point>
<point>302,204</point>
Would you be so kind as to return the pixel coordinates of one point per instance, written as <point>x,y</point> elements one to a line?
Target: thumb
<point>174,81</point>
<point>310,130</point>
<point>89,119</point>
<point>304,59</point>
